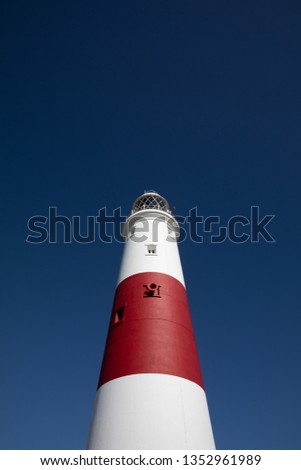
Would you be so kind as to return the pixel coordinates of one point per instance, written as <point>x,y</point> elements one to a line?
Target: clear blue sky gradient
<point>200,100</point>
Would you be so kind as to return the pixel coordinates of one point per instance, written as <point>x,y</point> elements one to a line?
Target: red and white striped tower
<point>150,392</point>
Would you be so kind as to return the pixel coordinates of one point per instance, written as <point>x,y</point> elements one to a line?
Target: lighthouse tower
<point>151,392</point>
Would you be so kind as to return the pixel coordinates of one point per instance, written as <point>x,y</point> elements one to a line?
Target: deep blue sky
<point>200,100</point>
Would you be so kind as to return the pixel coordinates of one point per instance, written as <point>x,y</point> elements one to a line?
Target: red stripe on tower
<point>150,330</point>
<point>151,393</point>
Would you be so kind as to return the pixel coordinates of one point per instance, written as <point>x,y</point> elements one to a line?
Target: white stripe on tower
<point>150,392</point>
<point>146,230</point>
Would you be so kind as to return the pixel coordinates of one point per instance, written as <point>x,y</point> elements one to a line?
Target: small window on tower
<point>151,249</point>
<point>118,315</point>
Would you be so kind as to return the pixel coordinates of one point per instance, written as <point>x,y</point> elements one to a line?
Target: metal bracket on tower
<point>151,290</point>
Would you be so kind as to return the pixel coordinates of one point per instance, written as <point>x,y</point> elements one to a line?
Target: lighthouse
<point>150,393</point>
